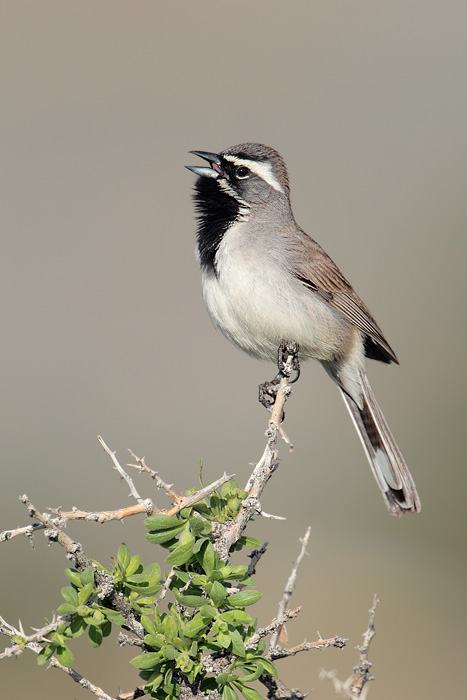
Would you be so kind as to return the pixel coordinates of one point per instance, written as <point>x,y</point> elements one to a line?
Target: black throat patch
<point>216,211</point>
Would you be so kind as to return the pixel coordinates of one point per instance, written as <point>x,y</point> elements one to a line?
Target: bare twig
<point>289,588</point>
<point>125,639</point>
<point>122,472</point>
<point>279,653</point>
<point>261,474</point>
<point>355,686</point>
<point>166,584</point>
<point>277,690</point>
<point>188,501</point>
<point>143,467</point>
<point>105,516</point>
<point>31,642</point>
<point>81,680</point>
<point>341,688</point>
<point>75,553</point>
<point>361,672</point>
<point>28,531</point>
<point>272,627</point>
<point>39,634</point>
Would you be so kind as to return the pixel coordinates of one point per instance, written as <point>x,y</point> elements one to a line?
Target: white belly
<point>256,305</point>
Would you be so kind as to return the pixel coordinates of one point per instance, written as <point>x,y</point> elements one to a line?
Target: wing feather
<point>317,271</point>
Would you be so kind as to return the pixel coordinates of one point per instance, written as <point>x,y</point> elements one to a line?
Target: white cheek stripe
<point>263,170</point>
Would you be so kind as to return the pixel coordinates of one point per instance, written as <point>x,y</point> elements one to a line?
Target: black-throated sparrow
<point>265,281</point>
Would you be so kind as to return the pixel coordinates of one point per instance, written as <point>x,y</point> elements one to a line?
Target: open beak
<point>213,159</point>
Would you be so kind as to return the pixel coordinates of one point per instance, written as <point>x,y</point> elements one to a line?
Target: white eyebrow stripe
<point>263,170</point>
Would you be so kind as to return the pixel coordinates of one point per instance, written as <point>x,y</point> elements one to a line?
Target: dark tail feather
<point>387,463</point>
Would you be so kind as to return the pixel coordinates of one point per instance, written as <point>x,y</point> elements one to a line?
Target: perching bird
<point>266,281</point>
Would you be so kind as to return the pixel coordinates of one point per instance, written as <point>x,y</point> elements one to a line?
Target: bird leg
<point>287,362</point>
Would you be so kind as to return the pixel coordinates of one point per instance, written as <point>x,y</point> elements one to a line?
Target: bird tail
<point>388,465</point>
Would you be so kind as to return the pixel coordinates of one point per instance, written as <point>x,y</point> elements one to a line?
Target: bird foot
<point>287,362</point>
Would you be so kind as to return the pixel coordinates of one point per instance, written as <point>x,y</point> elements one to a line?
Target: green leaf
<point>268,666</point>
<point>249,542</point>
<point>207,612</point>
<point>236,617</point>
<point>192,601</point>
<point>156,641</point>
<point>238,648</point>
<point>134,563</point>
<point>148,624</point>
<point>248,693</point>
<point>76,627</point>
<point>162,537</point>
<point>170,627</point>
<point>163,522</point>
<point>147,601</point>
<point>218,594</point>
<point>243,598</point>
<point>235,573</point>
<point>66,609</point>
<point>144,588</point>
<point>74,577</point>
<point>87,576</point>
<point>180,555</point>
<point>186,537</point>
<point>229,693</point>
<point>114,616</point>
<point>99,618</point>
<point>95,636</point>
<point>195,626</point>
<point>169,687</point>
<point>64,655</point>
<point>85,593</point>
<point>154,681</point>
<point>251,676</point>
<point>70,595</point>
<point>45,654</point>
<point>145,661</point>
<point>169,652</point>
<point>123,556</point>
<point>196,526</point>
<point>152,572</point>
<point>210,559</point>
<point>84,610</point>
<point>184,663</point>
<point>224,639</point>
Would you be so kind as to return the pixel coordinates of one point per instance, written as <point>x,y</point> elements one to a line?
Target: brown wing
<point>316,270</point>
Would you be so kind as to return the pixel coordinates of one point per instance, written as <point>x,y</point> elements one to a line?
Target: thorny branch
<point>362,669</point>
<point>105,516</point>
<point>262,472</point>
<point>227,534</point>
<point>124,475</point>
<point>355,686</point>
<point>32,642</point>
<point>289,589</point>
<point>143,467</point>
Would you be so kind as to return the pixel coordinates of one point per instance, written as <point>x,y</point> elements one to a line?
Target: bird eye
<point>242,172</point>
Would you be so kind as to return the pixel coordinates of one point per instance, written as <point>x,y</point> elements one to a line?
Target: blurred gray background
<point>104,330</point>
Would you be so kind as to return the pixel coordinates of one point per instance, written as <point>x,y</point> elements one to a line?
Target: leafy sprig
<point>205,621</point>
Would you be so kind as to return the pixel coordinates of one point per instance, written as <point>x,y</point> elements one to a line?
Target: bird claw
<point>287,362</point>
